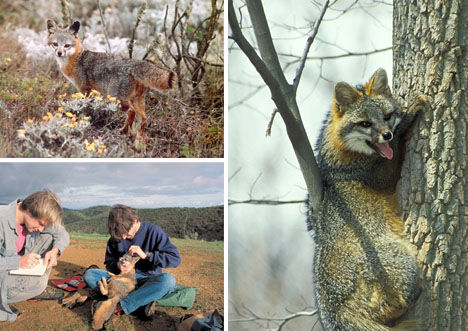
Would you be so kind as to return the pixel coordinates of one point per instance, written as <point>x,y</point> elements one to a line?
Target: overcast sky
<point>137,184</point>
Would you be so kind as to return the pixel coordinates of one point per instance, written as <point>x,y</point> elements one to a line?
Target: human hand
<point>50,258</point>
<point>28,261</point>
<point>136,250</point>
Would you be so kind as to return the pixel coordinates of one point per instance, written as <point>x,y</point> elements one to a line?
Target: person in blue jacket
<point>152,245</point>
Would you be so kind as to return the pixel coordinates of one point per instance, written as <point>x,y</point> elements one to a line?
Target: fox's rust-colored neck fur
<point>71,64</point>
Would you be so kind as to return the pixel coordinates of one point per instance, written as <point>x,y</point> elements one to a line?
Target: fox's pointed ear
<point>345,94</point>
<point>51,26</point>
<point>74,28</point>
<point>378,84</point>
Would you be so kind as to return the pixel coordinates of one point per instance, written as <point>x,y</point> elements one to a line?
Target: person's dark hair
<point>121,220</point>
<point>43,204</point>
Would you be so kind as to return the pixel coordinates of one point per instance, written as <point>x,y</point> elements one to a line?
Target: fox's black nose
<point>387,135</point>
<point>59,53</point>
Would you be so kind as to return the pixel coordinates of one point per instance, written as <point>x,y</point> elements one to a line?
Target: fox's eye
<point>67,45</point>
<point>365,124</point>
<point>55,44</point>
<point>388,117</point>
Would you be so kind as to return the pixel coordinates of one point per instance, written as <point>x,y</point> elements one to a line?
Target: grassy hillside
<point>194,223</point>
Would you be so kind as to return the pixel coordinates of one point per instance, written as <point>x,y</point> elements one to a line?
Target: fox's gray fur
<point>117,288</point>
<point>123,78</point>
<point>365,270</point>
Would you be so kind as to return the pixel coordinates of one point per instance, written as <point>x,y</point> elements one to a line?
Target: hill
<point>205,223</point>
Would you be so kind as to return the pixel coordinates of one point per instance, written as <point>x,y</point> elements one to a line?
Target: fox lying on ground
<point>117,288</point>
<point>125,79</point>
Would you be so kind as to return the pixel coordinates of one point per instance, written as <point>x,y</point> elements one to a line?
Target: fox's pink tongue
<point>385,149</point>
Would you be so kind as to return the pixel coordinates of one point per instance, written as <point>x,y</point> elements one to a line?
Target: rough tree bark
<point>430,57</point>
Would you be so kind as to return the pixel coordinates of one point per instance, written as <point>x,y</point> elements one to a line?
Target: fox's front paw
<point>103,287</point>
<point>418,104</point>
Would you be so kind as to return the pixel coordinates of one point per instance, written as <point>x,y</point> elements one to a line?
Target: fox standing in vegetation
<point>126,79</point>
<point>116,289</point>
<point>365,270</point>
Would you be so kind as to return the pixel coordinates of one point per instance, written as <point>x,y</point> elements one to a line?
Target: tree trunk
<point>430,57</point>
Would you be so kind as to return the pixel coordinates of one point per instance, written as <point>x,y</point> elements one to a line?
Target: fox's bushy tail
<point>152,75</point>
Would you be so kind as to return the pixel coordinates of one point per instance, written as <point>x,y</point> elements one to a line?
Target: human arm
<point>61,237</point>
<point>61,241</point>
<point>112,256</point>
<point>162,253</point>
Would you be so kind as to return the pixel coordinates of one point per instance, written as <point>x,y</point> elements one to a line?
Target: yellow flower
<point>58,115</point>
<point>30,89</point>
<point>49,115</point>
<point>78,95</point>
<point>94,92</point>
<point>8,59</point>
<point>30,121</point>
<point>21,133</point>
<point>91,147</point>
<point>68,114</point>
<point>86,118</point>
<point>111,98</point>
<point>72,125</point>
<point>98,98</point>
<point>61,96</point>
<point>14,96</point>
<point>45,118</point>
<point>60,109</point>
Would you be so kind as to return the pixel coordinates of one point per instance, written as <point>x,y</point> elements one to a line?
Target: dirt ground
<point>199,267</point>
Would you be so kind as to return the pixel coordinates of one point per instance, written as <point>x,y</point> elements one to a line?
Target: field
<point>202,266</point>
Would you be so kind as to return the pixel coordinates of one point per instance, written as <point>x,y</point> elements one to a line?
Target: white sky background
<point>137,184</point>
<point>270,252</point>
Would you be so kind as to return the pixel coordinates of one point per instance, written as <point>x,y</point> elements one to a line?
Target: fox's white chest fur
<point>63,62</point>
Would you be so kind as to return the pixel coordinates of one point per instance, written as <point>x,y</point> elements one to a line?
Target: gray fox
<point>116,289</point>
<point>125,79</point>
<point>365,270</point>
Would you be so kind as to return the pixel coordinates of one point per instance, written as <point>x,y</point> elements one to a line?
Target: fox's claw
<point>73,300</point>
<point>418,104</point>
<point>103,286</point>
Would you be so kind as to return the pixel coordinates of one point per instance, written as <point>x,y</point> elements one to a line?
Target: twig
<point>104,26</point>
<point>270,123</point>
<point>66,16</point>
<point>141,10</point>
<point>264,202</point>
<point>310,40</point>
<point>281,91</point>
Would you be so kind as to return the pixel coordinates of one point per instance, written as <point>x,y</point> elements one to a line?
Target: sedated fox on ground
<point>126,79</point>
<point>365,270</point>
<point>117,288</point>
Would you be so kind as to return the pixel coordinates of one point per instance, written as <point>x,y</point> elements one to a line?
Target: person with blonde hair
<point>30,229</point>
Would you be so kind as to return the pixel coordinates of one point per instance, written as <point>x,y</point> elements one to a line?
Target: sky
<point>137,184</point>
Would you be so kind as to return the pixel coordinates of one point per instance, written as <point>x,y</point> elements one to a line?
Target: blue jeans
<point>149,288</point>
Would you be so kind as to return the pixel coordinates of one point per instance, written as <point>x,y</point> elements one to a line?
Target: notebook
<point>37,270</point>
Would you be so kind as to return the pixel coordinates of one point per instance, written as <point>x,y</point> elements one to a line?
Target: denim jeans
<point>149,288</point>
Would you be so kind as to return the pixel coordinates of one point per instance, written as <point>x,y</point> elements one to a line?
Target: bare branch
<point>141,11</point>
<point>283,320</point>
<point>282,93</point>
<point>338,56</point>
<point>265,202</point>
<point>104,27</point>
<point>270,123</point>
<point>310,40</point>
